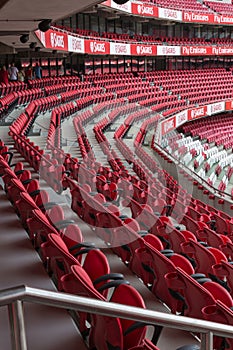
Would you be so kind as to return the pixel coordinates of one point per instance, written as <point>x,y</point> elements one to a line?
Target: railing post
<point>17,327</point>
<point>207,341</point>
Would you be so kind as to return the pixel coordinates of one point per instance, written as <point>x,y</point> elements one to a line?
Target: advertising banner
<point>120,49</point>
<point>143,50</point>
<point>97,47</point>
<point>168,125</point>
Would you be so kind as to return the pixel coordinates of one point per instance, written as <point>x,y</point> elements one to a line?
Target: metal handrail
<point>14,298</point>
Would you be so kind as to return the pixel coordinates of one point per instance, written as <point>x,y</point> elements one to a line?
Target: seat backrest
<point>151,266</point>
<point>55,214</point>
<point>194,295</point>
<point>96,265</point>
<point>218,312</point>
<point>39,225</point>
<point>128,295</point>
<point>25,205</point>
<point>72,235</point>
<point>58,257</point>
<point>104,331</point>
<point>204,258</point>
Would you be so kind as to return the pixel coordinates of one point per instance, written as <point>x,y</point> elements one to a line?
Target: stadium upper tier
<point>136,38</point>
<point>191,5</point>
<point>218,7</point>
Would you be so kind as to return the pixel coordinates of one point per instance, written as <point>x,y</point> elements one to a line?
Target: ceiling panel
<point>24,15</point>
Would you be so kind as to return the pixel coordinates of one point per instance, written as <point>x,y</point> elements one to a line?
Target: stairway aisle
<point>47,328</point>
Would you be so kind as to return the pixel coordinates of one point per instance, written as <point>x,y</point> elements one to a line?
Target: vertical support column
<point>17,326</point>
<point>207,341</point>
<point>145,63</point>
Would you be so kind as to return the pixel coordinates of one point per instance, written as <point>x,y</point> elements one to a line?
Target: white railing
<point>15,297</point>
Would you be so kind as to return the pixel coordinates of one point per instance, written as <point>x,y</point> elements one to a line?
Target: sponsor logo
<point>195,17</point>
<point>168,125</point>
<point>145,10</point>
<point>181,118</point>
<point>190,50</point>
<point>187,16</point>
<point>57,40</point>
<point>200,17</point>
<point>215,108</point>
<point>196,113</point>
<point>144,50</point>
<point>76,44</point>
<point>97,47</point>
<point>120,49</point>
<point>169,50</point>
<point>229,105</point>
<point>170,13</point>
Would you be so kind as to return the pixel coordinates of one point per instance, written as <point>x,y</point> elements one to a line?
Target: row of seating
<point>48,81</point>
<point>6,89</point>
<point>223,8</point>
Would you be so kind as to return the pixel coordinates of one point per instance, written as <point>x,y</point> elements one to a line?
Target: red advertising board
<point>97,47</point>
<point>142,9</point>
<point>196,50</point>
<point>223,19</point>
<point>222,50</point>
<point>195,113</point>
<point>53,39</point>
<point>56,40</point>
<point>143,50</point>
<point>195,17</point>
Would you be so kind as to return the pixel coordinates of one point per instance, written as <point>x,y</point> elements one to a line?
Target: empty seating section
<point>214,152</point>
<point>183,89</point>
<point>222,8</point>
<point>180,247</point>
<point>217,129</point>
